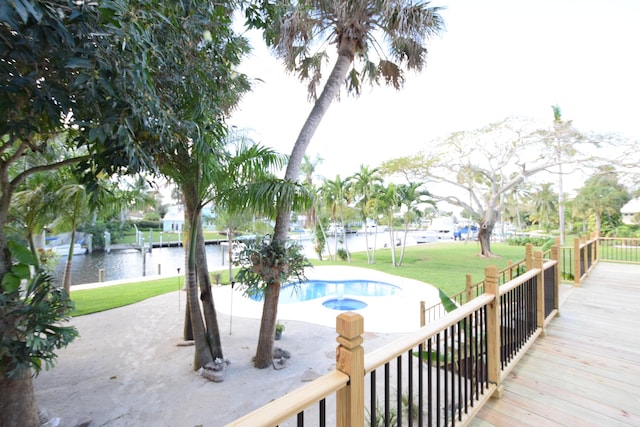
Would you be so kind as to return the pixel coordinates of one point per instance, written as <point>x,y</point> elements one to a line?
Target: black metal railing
<point>619,250</point>
<point>436,383</point>
<point>518,308</point>
<point>550,303</point>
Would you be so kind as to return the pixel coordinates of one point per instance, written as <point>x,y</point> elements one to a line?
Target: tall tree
<point>410,197</point>
<point>292,29</point>
<point>602,195</point>
<point>307,169</point>
<point>244,166</point>
<point>188,53</point>
<point>545,205</point>
<point>39,69</point>
<point>363,183</point>
<point>334,195</point>
<point>476,169</point>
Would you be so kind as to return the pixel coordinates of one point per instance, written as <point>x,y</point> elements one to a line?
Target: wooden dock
<point>585,371</point>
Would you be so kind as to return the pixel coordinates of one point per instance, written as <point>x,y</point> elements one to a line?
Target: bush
<point>524,240</point>
<point>342,254</point>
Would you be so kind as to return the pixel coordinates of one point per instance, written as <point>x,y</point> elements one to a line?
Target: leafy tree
<point>476,169</point>
<point>187,53</point>
<point>292,29</point>
<point>602,196</point>
<point>42,56</point>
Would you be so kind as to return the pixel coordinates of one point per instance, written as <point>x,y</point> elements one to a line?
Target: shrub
<point>524,240</point>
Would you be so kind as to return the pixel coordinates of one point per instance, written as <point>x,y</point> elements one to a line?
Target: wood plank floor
<point>585,371</point>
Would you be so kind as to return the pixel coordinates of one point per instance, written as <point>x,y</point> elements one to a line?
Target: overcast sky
<point>498,58</point>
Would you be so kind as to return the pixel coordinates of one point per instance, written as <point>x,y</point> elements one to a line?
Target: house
<point>631,212</point>
<point>173,221</point>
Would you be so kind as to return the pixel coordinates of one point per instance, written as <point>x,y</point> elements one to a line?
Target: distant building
<point>631,211</point>
<point>173,220</point>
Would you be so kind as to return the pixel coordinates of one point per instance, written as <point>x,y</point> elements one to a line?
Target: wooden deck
<point>586,370</point>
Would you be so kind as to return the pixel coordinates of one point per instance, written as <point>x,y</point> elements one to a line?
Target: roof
<point>631,207</point>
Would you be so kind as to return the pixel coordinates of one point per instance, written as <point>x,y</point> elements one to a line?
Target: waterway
<point>169,261</point>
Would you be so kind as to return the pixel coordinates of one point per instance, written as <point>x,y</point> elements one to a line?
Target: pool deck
<point>392,314</point>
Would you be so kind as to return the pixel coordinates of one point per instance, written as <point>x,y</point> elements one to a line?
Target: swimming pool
<point>314,289</point>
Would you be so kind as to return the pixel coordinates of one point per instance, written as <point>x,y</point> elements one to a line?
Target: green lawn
<point>444,265</point>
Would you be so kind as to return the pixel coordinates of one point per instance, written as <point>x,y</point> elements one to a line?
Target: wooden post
<point>468,289</point>
<point>528,256</point>
<point>423,320</point>
<point>577,256</point>
<point>537,263</point>
<point>350,360</point>
<point>510,267</point>
<point>493,328</point>
<point>555,255</point>
<point>101,275</point>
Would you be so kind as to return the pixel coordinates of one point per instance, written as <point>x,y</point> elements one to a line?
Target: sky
<point>497,58</point>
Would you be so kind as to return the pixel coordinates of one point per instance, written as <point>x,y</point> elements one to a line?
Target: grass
<point>89,301</point>
<point>444,265</point>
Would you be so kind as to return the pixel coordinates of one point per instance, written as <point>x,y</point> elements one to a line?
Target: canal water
<point>131,263</point>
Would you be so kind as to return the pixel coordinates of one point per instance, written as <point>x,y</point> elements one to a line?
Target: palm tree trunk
<point>66,281</point>
<point>202,353</point>
<point>366,241</point>
<point>208,306</point>
<point>270,308</point>
<point>324,233</point>
<point>404,244</point>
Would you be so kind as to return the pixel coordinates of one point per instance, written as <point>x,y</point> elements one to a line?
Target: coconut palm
<point>409,198</point>
<point>293,29</point>
<point>545,205</point>
<point>307,170</point>
<point>363,184</point>
<point>335,194</point>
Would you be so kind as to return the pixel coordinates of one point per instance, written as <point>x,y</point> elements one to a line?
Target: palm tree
<point>32,207</point>
<point>363,183</point>
<point>513,202</point>
<point>307,169</point>
<point>544,204</point>
<point>335,198</point>
<point>409,199</point>
<point>292,29</point>
<point>387,202</point>
<point>244,164</point>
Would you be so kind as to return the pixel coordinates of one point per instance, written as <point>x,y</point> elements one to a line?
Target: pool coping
<point>394,314</point>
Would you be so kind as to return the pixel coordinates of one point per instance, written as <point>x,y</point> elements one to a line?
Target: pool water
<point>344,304</point>
<point>314,289</point>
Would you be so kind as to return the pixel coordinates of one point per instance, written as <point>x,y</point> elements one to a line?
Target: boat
<point>427,237</point>
<point>63,250</point>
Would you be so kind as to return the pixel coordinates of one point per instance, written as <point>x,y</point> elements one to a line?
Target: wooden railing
<point>441,374</point>
<point>577,261</point>
<point>472,290</point>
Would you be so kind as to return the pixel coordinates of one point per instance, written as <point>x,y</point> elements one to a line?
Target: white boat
<point>427,237</point>
<point>63,250</point>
